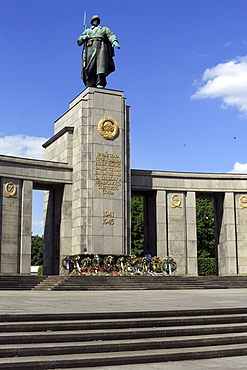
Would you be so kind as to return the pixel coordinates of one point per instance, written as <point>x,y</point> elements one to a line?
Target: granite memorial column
<point>10,225</point>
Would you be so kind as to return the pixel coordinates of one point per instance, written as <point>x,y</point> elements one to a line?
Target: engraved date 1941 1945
<point>108,218</point>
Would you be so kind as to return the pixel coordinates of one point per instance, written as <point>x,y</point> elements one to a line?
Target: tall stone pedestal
<point>93,138</point>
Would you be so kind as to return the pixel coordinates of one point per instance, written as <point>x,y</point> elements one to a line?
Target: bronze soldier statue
<point>98,52</point>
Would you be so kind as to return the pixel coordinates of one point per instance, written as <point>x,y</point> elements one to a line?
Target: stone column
<point>26,226</point>
<point>241,227</point>
<point>48,250</point>
<point>10,231</point>
<point>66,223</point>
<point>161,224</point>
<point>227,252</point>
<point>177,237</point>
<point>55,229</point>
<point>150,223</point>
<point>191,233</point>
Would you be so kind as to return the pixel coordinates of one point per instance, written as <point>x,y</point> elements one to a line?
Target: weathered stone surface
<point>97,204</point>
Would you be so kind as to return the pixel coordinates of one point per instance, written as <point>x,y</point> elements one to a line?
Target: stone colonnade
<point>170,217</point>
<point>170,208</point>
<point>18,178</point>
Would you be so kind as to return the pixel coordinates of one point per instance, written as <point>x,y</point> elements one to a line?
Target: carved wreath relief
<point>176,201</point>
<point>10,189</point>
<point>243,201</point>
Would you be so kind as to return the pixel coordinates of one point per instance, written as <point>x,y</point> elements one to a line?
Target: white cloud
<point>22,146</point>
<point>227,81</point>
<point>239,168</point>
<point>38,223</point>
<point>38,226</point>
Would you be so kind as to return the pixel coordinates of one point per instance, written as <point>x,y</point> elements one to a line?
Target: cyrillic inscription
<point>108,172</point>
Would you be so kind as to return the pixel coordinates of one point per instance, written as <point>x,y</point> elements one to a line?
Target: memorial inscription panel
<point>10,215</point>
<point>108,172</point>
<point>10,221</point>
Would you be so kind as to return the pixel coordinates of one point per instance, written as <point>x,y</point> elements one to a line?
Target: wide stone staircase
<point>19,282</point>
<point>77,340</point>
<point>77,282</point>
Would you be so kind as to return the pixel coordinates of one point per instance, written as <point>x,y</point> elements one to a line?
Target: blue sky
<point>182,66</point>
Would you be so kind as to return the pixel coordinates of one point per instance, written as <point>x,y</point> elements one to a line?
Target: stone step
<point>43,341</point>
<point>75,282</point>
<point>19,282</point>
<point>122,357</point>
<point>44,349</point>
<point>122,315</point>
<point>150,282</point>
<point>116,334</point>
<point>153,287</point>
<point>116,323</point>
<point>50,282</point>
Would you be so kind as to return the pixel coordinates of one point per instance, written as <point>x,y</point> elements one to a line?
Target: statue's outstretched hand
<point>115,43</point>
<point>79,42</point>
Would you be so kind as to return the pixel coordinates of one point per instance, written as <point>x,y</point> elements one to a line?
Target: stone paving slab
<point>226,363</point>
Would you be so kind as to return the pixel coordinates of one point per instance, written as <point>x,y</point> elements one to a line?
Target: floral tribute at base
<point>100,264</point>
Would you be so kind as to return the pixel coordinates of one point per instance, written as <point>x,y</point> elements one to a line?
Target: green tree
<point>205,227</point>
<point>137,226</point>
<point>37,250</point>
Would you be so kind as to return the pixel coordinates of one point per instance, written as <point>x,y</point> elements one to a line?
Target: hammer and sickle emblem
<point>10,189</point>
<point>176,201</point>
<point>243,201</point>
<point>108,128</point>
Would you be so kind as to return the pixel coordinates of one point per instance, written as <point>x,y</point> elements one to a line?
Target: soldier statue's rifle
<point>84,21</point>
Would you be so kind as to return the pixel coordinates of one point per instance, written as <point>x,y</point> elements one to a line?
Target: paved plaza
<point>227,363</point>
<point>107,301</point>
<point>119,300</point>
